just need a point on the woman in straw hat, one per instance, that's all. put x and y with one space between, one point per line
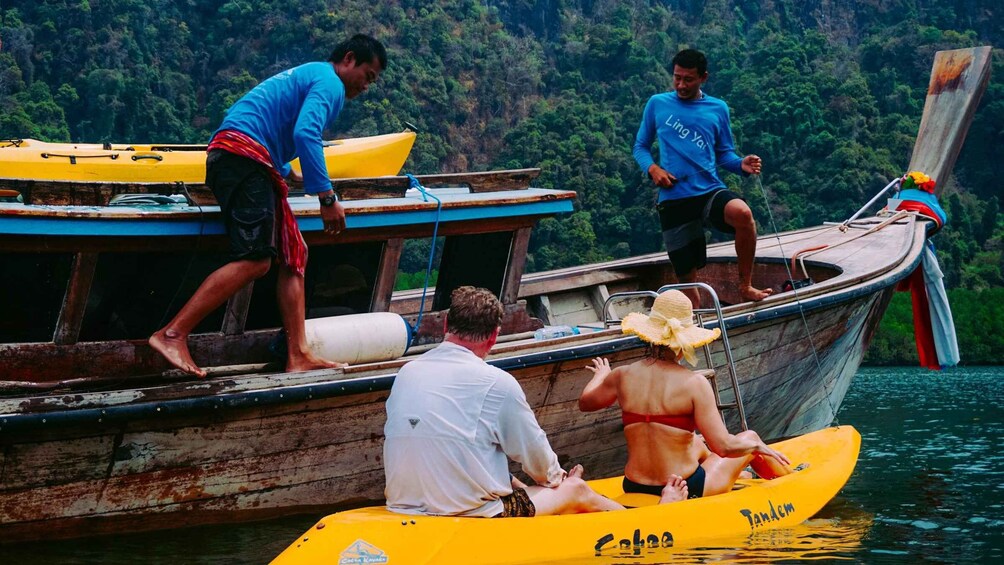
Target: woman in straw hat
664 404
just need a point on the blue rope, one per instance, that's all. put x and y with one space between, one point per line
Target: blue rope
414 183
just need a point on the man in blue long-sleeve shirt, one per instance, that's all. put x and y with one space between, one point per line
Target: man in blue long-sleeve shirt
695 138
277 121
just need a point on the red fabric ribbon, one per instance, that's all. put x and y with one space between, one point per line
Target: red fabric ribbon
923 331
292 248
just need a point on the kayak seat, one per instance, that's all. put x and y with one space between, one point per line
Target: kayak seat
637 499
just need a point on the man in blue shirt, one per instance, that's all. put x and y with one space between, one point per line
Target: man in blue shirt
277 121
695 138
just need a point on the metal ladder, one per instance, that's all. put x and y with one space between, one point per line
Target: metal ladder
699 314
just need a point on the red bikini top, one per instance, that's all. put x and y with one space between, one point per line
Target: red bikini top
685 423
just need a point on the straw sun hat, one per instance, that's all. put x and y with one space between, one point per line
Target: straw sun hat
670 323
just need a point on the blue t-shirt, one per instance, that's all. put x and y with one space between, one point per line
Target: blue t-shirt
695 138
287 114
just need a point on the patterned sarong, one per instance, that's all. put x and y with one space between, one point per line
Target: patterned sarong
292 248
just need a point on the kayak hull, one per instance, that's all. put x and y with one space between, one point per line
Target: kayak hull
374 156
376 535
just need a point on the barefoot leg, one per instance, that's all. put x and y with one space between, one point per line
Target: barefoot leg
768 467
740 217
572 496
289 291
171 341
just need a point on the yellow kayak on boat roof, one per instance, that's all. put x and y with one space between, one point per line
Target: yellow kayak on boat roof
374 156
649 531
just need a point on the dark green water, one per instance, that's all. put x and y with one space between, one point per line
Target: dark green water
928 488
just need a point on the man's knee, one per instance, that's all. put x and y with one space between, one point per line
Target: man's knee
257 268
738 214
578 490
688 277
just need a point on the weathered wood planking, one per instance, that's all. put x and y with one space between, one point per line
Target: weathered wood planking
958 80
192 469
96 193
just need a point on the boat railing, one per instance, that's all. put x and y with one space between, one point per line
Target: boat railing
894 184
699 313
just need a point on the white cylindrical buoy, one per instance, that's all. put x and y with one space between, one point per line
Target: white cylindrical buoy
359 338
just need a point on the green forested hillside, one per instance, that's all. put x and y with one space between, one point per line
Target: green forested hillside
830 94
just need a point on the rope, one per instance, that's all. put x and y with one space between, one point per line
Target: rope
808 252
195 250
414 183
798 301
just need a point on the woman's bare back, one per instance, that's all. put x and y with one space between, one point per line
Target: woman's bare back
655 450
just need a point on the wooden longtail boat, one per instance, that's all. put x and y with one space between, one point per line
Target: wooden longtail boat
30 159
96 436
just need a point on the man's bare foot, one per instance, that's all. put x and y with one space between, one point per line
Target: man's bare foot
752 294
174 348
309 362
674 491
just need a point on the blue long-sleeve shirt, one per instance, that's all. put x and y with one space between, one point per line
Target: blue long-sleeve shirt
287 114
694 137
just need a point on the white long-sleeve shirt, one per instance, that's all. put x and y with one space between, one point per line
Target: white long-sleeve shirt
451 421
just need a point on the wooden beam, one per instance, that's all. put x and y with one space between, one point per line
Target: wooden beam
958 80
71 315
383 286
237 310
517 263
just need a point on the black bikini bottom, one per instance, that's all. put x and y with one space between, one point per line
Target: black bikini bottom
695 485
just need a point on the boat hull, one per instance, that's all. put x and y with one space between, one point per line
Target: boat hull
646 532
162 464
175 454
349 158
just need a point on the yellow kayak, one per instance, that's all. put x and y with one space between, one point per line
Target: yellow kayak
649 531
375 156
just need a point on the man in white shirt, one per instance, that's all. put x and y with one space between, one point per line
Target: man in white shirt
451 421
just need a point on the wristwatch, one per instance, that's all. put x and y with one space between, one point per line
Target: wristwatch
329 200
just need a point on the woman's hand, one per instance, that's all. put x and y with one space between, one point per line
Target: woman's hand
601 390
766 451
600 367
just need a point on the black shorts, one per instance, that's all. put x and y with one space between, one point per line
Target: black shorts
683 224
244 191
517 505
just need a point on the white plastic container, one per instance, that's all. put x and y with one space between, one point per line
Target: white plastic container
359 338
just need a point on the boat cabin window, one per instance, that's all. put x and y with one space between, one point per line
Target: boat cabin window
339 280
478 259
34 286
415 261
135 294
